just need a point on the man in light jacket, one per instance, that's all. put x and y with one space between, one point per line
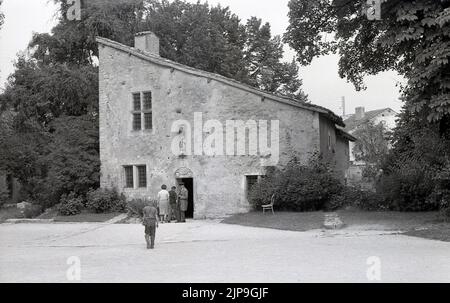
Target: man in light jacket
183 197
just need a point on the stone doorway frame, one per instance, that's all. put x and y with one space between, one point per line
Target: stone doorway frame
185 173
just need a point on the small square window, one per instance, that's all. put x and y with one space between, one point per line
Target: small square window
137 122
148 119
147 100
129 178
142 175
137 102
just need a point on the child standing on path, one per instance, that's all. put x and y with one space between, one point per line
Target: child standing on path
150 222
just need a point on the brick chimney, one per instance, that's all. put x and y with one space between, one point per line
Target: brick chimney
360 113
147 42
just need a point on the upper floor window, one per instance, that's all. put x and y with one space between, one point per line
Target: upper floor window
142 111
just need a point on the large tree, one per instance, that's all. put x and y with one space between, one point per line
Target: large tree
204 37
43 92
411 37
263 56
51 144
212 38
372 145
73 41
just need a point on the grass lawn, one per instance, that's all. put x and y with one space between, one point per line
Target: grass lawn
388 220
84 217
418 224
87 218
439 232
281 220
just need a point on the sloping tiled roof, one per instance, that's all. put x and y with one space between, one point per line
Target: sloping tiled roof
352 123
200 73
341 132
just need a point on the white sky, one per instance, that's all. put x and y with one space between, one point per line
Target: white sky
320 80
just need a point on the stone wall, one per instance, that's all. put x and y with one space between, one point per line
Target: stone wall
342 157
328 140
219 181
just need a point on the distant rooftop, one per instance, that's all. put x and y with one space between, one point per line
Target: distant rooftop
361 117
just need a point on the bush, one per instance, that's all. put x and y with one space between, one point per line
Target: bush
442 179
356 197
4 197
49 163
409 187
105 200
70 205
298 187
445 214
43 192
32 211
135 207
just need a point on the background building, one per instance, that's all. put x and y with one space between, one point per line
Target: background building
386 116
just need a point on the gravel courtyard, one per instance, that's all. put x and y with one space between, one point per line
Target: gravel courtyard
208 251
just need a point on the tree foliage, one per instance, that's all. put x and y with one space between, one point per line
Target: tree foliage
372 145
73 163
214 39
297 187
44 92
73 42
204 37
23 146
50 161
412 37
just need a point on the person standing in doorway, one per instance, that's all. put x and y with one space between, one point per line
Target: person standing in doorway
173 208
183 197
163 199
150 221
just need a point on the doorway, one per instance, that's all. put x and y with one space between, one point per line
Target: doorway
189 184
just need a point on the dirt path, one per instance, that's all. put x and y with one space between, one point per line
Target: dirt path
207 251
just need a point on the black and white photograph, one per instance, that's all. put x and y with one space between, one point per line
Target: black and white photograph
224 141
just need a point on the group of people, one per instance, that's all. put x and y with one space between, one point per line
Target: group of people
170 204
173 204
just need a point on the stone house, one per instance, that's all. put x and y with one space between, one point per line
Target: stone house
221 129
